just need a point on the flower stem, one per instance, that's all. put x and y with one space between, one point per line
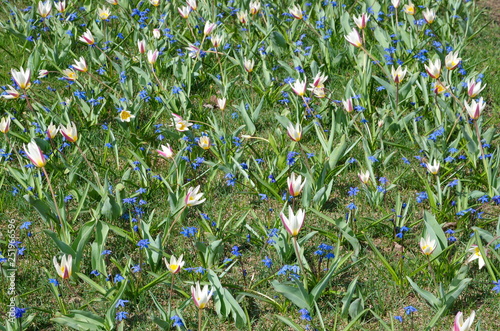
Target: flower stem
297 253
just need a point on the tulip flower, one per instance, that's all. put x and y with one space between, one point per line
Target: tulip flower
221 103
44 8
475 108
319 80
434 69
87 37
11 93
42 73
193 51
126 116
64 269
5 124
104 13
409 8
299 87
452 60
318 92
70 74
60 6
429 15
242 16
395 3
474 88
433 168
427 245
112 2
152 56
353 38
22 77
294 132
155 3
182 125
80 65
192 4
217 40
476 255
398 75
194 198
439 88
204 142
296 12
184 11
293 223
35 154
52 131
295 184
166 151
254 7
156 33
248 64
364 177
201 297
361 21
460 325
209 27
175 264
70 132
141 45
348 107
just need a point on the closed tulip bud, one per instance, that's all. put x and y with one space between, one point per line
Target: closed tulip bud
452 60
299 87
398 75
152 56
34 153
296 12
294 132
395 3
156 33
348 107
242 16
353 38
194 198
221 103
52 131
209 27
69 132
201 297
427 245
175 264
361 21
141 45
433 168
204 142
64 269
474 88
80 65
44 8
380 123
460 325
5 124
293 223
434 68
184 11
248 64
254 7
475 108
295 184
166 151
192 4
60 6
42 73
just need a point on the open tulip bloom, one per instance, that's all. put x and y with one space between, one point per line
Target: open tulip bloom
69 132
475 108
460 325
293 223
295 184
474 88
194 198
22 77
175 264
434 68
433 168
427 245
166 151
201 296
294 132
5 124
476 255
35 154
353 38
64 269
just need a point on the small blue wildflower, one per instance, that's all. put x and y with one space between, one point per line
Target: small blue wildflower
121 315
143 243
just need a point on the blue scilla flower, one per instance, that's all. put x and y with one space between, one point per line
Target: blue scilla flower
304 314
353 191
236 251
267 262
421 197
118 278
25 225
121 315
19 312
410 309
121 303
189 232
496 288
177 321
143 243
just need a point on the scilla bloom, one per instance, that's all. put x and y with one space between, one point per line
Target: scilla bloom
22 77
69 132
427 245
200 297
295 184
34 153
166 151
175 264
194 198
475 108
204 142
293 223
353 38
433 168
294 132
64 269
452 60
460 325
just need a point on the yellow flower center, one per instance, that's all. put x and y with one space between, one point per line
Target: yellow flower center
124 115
